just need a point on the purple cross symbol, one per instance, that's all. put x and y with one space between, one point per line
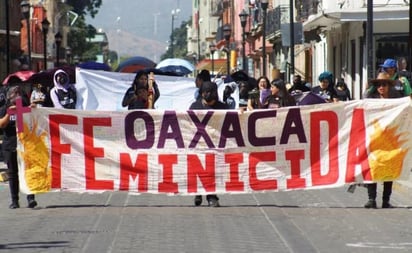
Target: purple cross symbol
19 110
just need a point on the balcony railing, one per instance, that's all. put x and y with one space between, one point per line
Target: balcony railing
216 8
219 34
306 8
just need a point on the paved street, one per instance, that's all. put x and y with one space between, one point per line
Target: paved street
330 220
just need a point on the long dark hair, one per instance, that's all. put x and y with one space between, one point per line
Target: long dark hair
283 94
267 81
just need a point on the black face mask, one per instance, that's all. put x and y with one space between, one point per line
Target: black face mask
209 96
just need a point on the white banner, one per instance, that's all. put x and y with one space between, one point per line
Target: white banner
197 152
104 91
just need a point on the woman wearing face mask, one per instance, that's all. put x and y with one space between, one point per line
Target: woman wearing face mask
209 101
63 94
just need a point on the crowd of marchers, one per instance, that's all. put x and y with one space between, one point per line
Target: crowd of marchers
392 81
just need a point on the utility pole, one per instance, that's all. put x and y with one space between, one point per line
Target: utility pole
292 39
369 38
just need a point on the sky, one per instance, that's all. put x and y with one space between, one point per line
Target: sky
150 19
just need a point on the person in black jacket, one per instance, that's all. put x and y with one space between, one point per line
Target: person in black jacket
9 145
209 100
382 88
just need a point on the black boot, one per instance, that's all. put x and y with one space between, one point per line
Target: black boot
31 202
370 204
14 189
14 204
386 195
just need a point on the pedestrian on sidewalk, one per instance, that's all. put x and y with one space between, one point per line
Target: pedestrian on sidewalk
209 100
381 87
8 124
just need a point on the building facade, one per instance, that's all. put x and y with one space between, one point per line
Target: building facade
341 47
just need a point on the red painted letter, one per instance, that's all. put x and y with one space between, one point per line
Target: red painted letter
295 182
57 148
234 184
91 152
127 170
331 119
357 153
255 183
168 185
206 175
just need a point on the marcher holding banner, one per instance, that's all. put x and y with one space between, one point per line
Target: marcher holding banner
279 96
325 89
258 95
382 87
143 93
63 94
209 101
401 84
203 76
9 145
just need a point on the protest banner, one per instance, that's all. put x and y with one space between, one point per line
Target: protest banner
195 152
104 91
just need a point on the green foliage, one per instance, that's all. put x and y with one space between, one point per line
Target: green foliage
81 33
78 40
85 7
180 42
112 57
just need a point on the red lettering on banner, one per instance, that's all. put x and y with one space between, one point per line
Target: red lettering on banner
255 183
332 175
296 181
127 170
357 153
91 152
234 184
58 148
206 174
167 185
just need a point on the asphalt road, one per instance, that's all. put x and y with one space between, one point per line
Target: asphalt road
329 220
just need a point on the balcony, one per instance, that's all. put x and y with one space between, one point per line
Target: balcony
217 8
219 34
306 8
273 21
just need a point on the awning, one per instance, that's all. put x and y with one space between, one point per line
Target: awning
220 66
328 19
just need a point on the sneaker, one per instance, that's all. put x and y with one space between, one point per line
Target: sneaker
387 205
32 203
198 200
213 201
14 205
370 204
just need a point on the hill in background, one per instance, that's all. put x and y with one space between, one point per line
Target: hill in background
140 28
128 45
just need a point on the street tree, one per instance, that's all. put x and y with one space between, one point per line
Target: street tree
179 36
